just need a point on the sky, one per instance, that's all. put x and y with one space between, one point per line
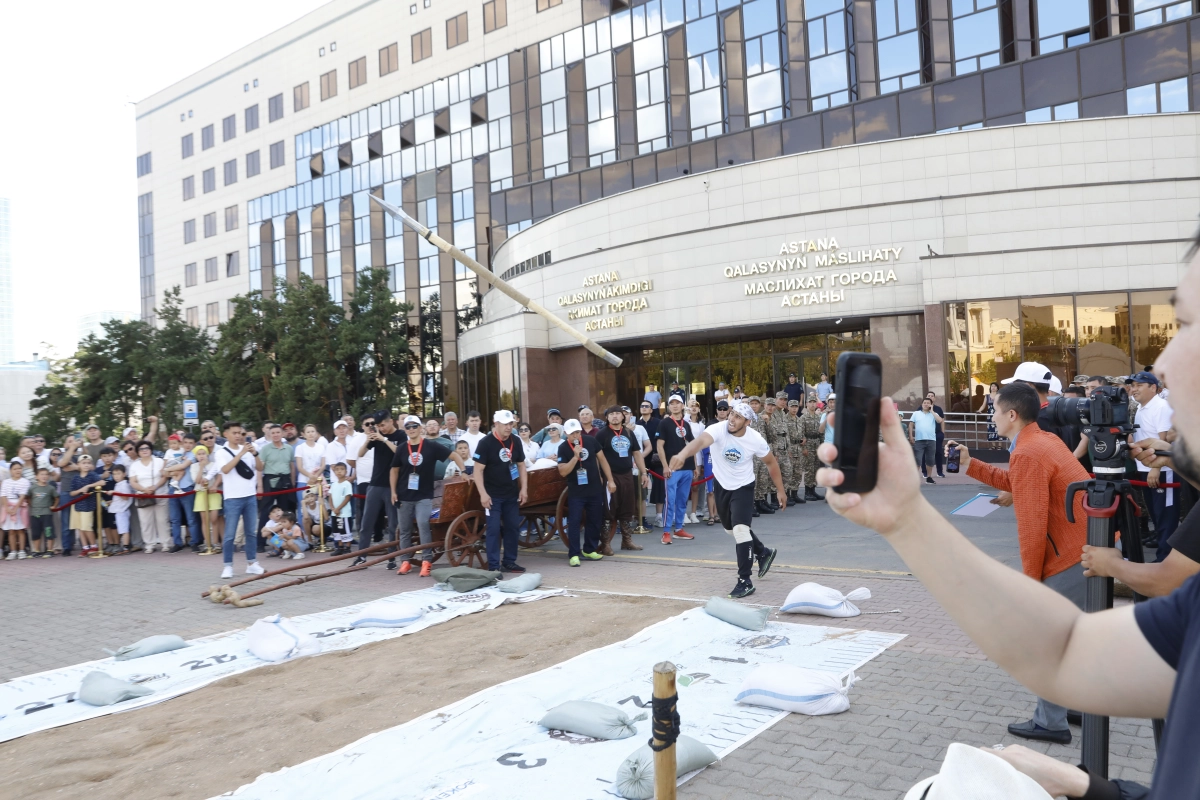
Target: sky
73 71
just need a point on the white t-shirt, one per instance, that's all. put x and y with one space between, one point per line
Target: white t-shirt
118 504
365 465
473 439
146 474
643 440
335 451
721 394
310 457
235 486
733 456
1152 418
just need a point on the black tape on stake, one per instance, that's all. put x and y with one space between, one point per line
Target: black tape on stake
664 722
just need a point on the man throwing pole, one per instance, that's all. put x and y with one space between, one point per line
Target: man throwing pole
734 446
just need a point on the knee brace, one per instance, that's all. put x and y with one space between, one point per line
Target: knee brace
741 533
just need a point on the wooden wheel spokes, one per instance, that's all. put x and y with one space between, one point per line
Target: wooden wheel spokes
538 529
465 541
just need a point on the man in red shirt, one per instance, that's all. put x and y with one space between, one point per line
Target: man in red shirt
1039 470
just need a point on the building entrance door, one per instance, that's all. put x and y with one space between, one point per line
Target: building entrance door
807 367
693 379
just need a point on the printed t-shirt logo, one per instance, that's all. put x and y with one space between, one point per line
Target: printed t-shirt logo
583 454
620 446
733 455
504 456
416 459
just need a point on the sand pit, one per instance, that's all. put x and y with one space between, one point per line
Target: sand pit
227 734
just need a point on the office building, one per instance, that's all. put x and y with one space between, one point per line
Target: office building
701 185
6 292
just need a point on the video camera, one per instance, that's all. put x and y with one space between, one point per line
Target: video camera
1104 419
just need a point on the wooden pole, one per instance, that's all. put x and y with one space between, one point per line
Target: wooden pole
664 760
98 524
322 547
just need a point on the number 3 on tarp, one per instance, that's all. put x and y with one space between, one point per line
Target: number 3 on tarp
507 760
221 659
42 705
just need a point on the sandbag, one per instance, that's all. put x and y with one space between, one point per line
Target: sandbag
387 614
813 598
805 691
752 619
522 583
591 719
465 579
149 646
969 773
275 638
102 689
635 776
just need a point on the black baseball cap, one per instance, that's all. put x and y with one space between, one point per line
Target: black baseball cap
722 405
552 412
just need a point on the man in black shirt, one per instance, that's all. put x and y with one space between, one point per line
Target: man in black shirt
794 389
382 438
674 434
501 481
649 420
413 472
580 461
621 452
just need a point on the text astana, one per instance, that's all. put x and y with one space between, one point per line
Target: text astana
606 292
840 258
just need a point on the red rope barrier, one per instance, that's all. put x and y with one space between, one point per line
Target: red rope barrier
78 499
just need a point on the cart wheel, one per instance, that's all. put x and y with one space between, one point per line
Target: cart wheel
561 519
537 530
465 541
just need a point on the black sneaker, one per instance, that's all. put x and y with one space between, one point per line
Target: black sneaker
744 588
391 564
177 548
359 560
765 561
930 480
196 548
513 567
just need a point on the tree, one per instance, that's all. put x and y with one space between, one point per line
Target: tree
54 404
310 382
177 365
110 385
374 344
243 361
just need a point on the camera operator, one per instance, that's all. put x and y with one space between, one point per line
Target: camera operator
1040 470
1079 660
1154 422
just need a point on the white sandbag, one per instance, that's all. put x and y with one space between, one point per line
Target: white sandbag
813 598
544 463
522 583
150 646
387 614
591 719
752 619
787 688
275 638
635 776
969 773
102 689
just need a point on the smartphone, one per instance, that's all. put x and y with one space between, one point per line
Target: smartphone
952 459
859 387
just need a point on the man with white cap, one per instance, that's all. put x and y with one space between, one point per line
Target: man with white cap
382 439
1154 418
413 472
501 480
1040 378
581 461
734 446
336 451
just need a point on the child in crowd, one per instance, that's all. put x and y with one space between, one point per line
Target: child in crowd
206 476
107 522
85 482
14 494
274 523
119 507
293 540
463 449
43 496
341 496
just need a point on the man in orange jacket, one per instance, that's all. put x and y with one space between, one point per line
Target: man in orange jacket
1039 470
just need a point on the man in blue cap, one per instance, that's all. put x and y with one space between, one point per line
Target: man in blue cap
1153 422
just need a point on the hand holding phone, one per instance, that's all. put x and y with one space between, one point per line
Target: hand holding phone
856 426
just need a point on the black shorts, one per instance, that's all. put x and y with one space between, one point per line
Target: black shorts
108 520
735 506
41 527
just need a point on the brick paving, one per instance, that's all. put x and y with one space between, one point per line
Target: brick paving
931 689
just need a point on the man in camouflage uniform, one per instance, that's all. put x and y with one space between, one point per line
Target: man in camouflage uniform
762 478
810 430
795 452
779 443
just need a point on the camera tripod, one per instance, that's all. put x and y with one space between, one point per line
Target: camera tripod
1109 505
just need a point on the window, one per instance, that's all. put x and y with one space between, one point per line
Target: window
189 274
193 314
251 118
456 30
1153 12
189 231
495 15
231 218
232 265
422 45
186 145
329 84
275 107
229 127
189 187
764 87
277 155
209 178
210 270
1065 111
828 65
206 137
231 172
704 81
358 72
212 313
210 224
300 97
1061 24
976 30
899 47
143 164
389 59
542 5
1158 98
252 165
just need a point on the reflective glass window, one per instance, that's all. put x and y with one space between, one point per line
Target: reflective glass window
1154 326
1048 331
899 46
976 30
1061 24
1155 12
829 67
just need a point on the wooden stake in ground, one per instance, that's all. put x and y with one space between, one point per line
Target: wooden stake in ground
665 729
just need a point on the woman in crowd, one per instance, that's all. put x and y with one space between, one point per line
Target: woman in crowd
207 478
528 445
146 477
988 406
554 438
310 457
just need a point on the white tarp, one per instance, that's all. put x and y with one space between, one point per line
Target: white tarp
47 699
490 745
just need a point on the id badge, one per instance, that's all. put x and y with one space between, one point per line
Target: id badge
512 471
414 481
581 476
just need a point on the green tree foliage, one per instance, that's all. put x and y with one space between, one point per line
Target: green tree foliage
54 403
244 360
310 383
374 347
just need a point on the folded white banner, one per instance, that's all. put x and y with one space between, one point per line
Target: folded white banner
47 699
490 745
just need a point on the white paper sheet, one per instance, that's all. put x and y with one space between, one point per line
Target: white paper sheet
978 506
